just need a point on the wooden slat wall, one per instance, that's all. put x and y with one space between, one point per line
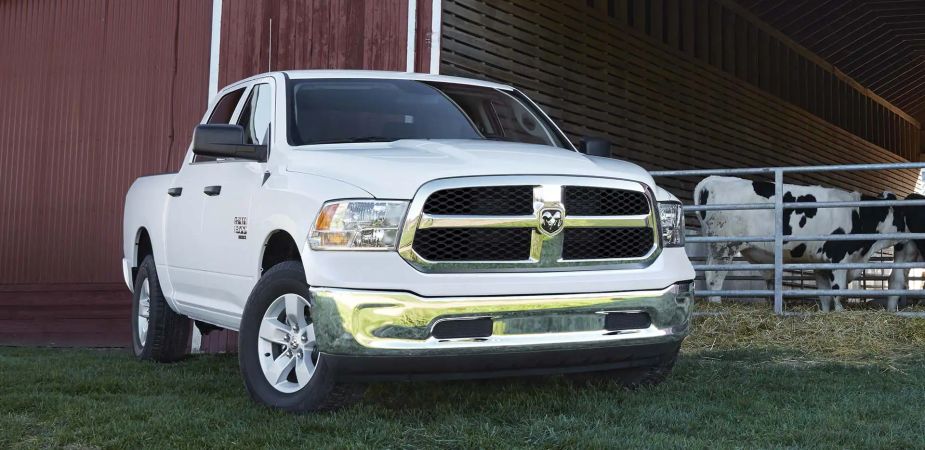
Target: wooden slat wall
599 71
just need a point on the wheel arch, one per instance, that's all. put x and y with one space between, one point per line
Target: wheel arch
143 247
278 246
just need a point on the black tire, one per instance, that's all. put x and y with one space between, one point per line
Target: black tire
635 377
323 392
168 333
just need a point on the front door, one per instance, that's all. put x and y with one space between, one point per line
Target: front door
183 236
227 259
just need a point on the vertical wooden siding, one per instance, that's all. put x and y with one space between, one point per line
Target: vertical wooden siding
95 93
610 72
311 34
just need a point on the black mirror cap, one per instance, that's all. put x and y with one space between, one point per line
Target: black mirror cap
225 141
593 146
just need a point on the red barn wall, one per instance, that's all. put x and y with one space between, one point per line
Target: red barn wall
95 93
260 36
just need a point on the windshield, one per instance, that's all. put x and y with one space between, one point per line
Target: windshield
328 111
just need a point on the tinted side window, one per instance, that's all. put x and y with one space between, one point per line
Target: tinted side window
255 116
225 107
222 113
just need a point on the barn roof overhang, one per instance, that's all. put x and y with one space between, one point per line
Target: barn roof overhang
878 43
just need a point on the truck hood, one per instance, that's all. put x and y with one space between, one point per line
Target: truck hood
397 169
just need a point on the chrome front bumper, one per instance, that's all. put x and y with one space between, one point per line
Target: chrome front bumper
376 323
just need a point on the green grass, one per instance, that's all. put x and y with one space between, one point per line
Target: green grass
771 397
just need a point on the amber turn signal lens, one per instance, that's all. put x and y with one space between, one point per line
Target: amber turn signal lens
323 222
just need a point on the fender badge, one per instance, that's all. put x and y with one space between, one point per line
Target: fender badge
240 227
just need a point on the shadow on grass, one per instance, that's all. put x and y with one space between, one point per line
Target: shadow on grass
757 398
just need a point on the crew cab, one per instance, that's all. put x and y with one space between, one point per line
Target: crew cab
359 225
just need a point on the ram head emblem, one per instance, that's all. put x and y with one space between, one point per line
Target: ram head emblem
551 221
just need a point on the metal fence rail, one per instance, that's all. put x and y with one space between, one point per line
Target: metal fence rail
778 238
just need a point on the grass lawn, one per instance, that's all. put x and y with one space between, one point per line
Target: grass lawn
747 380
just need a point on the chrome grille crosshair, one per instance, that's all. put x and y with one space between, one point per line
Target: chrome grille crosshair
624 205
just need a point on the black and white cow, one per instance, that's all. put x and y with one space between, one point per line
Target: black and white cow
907 251
801 221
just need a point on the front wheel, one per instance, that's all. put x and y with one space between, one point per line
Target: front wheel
280 362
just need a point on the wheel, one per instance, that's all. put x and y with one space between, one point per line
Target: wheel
634 377
158 333
279 360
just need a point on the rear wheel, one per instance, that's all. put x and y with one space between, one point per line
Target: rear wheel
158 333
280 362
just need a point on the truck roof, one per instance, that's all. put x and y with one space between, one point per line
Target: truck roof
378 74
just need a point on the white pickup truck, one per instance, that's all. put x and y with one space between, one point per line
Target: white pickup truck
356 225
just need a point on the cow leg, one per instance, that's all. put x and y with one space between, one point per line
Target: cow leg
902 252
768 276
824 282
897 281
717 254
841 282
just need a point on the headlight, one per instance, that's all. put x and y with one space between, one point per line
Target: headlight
357 225
671 219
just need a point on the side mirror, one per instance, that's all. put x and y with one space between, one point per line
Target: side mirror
593 146
225 141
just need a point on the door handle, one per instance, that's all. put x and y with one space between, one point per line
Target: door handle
212 190
175 191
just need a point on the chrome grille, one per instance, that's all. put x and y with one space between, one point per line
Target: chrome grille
473 244
595 201
606 243
523 223
489 200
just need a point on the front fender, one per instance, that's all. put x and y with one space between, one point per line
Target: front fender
290 202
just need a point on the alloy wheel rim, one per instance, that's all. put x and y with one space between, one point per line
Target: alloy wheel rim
286 343
144 312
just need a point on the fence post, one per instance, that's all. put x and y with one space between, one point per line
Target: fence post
778 240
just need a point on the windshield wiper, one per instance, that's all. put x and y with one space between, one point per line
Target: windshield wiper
495 137
353 140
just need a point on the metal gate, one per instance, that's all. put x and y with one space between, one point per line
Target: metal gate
778 238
